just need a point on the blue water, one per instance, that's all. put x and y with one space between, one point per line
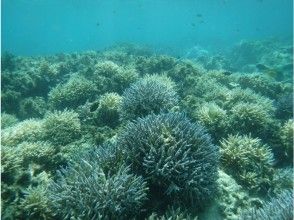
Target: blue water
40 27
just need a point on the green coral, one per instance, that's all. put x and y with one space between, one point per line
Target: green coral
18 173
110 77
36 204
108 110
27 130
250 118
249 161
232 198
238 95
43 155
214 118
286 137
7 120
261 84
72 94
155 64
32 107
61 127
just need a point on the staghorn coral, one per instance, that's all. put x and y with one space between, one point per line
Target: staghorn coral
277 208
148 95
87 191
282 180
72 94
175 156
61 127
248 161
173 213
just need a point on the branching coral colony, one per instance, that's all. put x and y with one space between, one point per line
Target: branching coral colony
127 134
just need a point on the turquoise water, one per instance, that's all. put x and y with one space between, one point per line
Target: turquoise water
147 110
44 27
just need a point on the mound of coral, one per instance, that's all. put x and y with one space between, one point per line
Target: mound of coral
130 134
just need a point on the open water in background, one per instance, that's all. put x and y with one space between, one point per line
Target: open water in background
41 27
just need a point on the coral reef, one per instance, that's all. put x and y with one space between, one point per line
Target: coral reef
95 135
151 94
175 156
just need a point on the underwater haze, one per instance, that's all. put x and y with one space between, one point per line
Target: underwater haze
38 27
147 110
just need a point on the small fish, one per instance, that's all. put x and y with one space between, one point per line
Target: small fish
227 73
199 15
97 24
193 24
261 67
234 85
